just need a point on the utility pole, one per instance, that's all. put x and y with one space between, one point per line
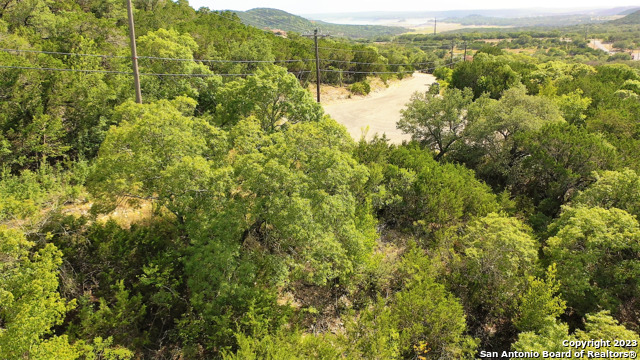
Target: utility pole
452 44
315 40
134 53
465 51
435 22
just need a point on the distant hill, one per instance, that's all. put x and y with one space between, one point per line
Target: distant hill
629 11
631 19
388 17
265 18
556 20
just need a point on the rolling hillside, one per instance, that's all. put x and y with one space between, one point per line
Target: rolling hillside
556 20
265 18
631 19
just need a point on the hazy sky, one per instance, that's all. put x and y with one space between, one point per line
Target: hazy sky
335 6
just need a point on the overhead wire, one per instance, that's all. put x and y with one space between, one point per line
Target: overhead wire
369 63
354 51
224 61
153 57
386 72
128 73
204 61
211 60
62 53
65 69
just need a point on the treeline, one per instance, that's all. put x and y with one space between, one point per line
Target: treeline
72 67
231 218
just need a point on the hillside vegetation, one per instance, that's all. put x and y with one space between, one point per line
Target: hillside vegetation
265 18
630 19
228 217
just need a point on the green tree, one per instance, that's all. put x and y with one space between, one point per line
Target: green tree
556 162
493 258
437 122
171 44
485 74
540 306
158 152
415 192
491 146
423 319
597 252
613 189
272 96
597 326
29 301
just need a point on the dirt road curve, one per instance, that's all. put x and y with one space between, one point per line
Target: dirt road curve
380 111
598 45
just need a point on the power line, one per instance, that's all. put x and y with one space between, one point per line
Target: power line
368 63
206 75
63 69
354 51
385 72
62 53
127 73
155 57
225 61
211 60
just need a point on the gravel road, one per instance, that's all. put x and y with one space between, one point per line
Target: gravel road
380 111
600 46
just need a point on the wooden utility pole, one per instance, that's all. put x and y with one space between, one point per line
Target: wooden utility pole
452 44
315 40
465 51
134 54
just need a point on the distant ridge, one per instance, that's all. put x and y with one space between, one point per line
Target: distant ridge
629 11
266 18
631 19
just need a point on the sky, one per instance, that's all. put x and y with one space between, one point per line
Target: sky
341 6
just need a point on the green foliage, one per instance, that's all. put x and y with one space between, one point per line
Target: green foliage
274 97
29 302
138 297
171 44
491 137
422 312
573 106
24 196
493 258
416 192
437 122
539 306
443 73
622 56
556 162
515 112
360 88
274 18
232 219
549 338
597 255
632 85
597 326
158 152
485 74
286 344
426 312
613 189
